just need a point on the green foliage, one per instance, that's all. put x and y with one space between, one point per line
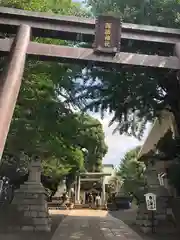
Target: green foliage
135 95
131 172
152 12
92 138
63 7
168 146
44 124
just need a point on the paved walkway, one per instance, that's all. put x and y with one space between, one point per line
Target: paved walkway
93 225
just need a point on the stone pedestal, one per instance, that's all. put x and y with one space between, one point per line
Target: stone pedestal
30 199
144 217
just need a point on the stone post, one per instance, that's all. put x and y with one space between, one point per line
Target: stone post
75 191
31 200
103 198
78 189
35 172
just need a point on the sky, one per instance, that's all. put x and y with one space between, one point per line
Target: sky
118 144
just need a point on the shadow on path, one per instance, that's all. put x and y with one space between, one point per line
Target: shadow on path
56 215
129 217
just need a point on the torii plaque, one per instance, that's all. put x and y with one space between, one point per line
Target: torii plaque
107 34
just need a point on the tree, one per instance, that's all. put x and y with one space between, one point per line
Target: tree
63 7
92 138
136 95
89 135
132 172
150 12
44 124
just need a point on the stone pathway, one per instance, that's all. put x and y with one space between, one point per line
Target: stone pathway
93 225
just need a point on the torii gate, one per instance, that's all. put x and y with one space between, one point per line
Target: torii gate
26 24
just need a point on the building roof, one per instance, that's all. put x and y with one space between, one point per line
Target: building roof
159 128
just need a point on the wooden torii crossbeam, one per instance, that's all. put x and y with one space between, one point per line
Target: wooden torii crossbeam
85 55
69 27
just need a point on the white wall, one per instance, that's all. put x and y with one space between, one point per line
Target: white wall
109 169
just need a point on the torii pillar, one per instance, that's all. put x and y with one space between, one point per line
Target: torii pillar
77 190
103 197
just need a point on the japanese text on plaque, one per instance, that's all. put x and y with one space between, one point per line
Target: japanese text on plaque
107 35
